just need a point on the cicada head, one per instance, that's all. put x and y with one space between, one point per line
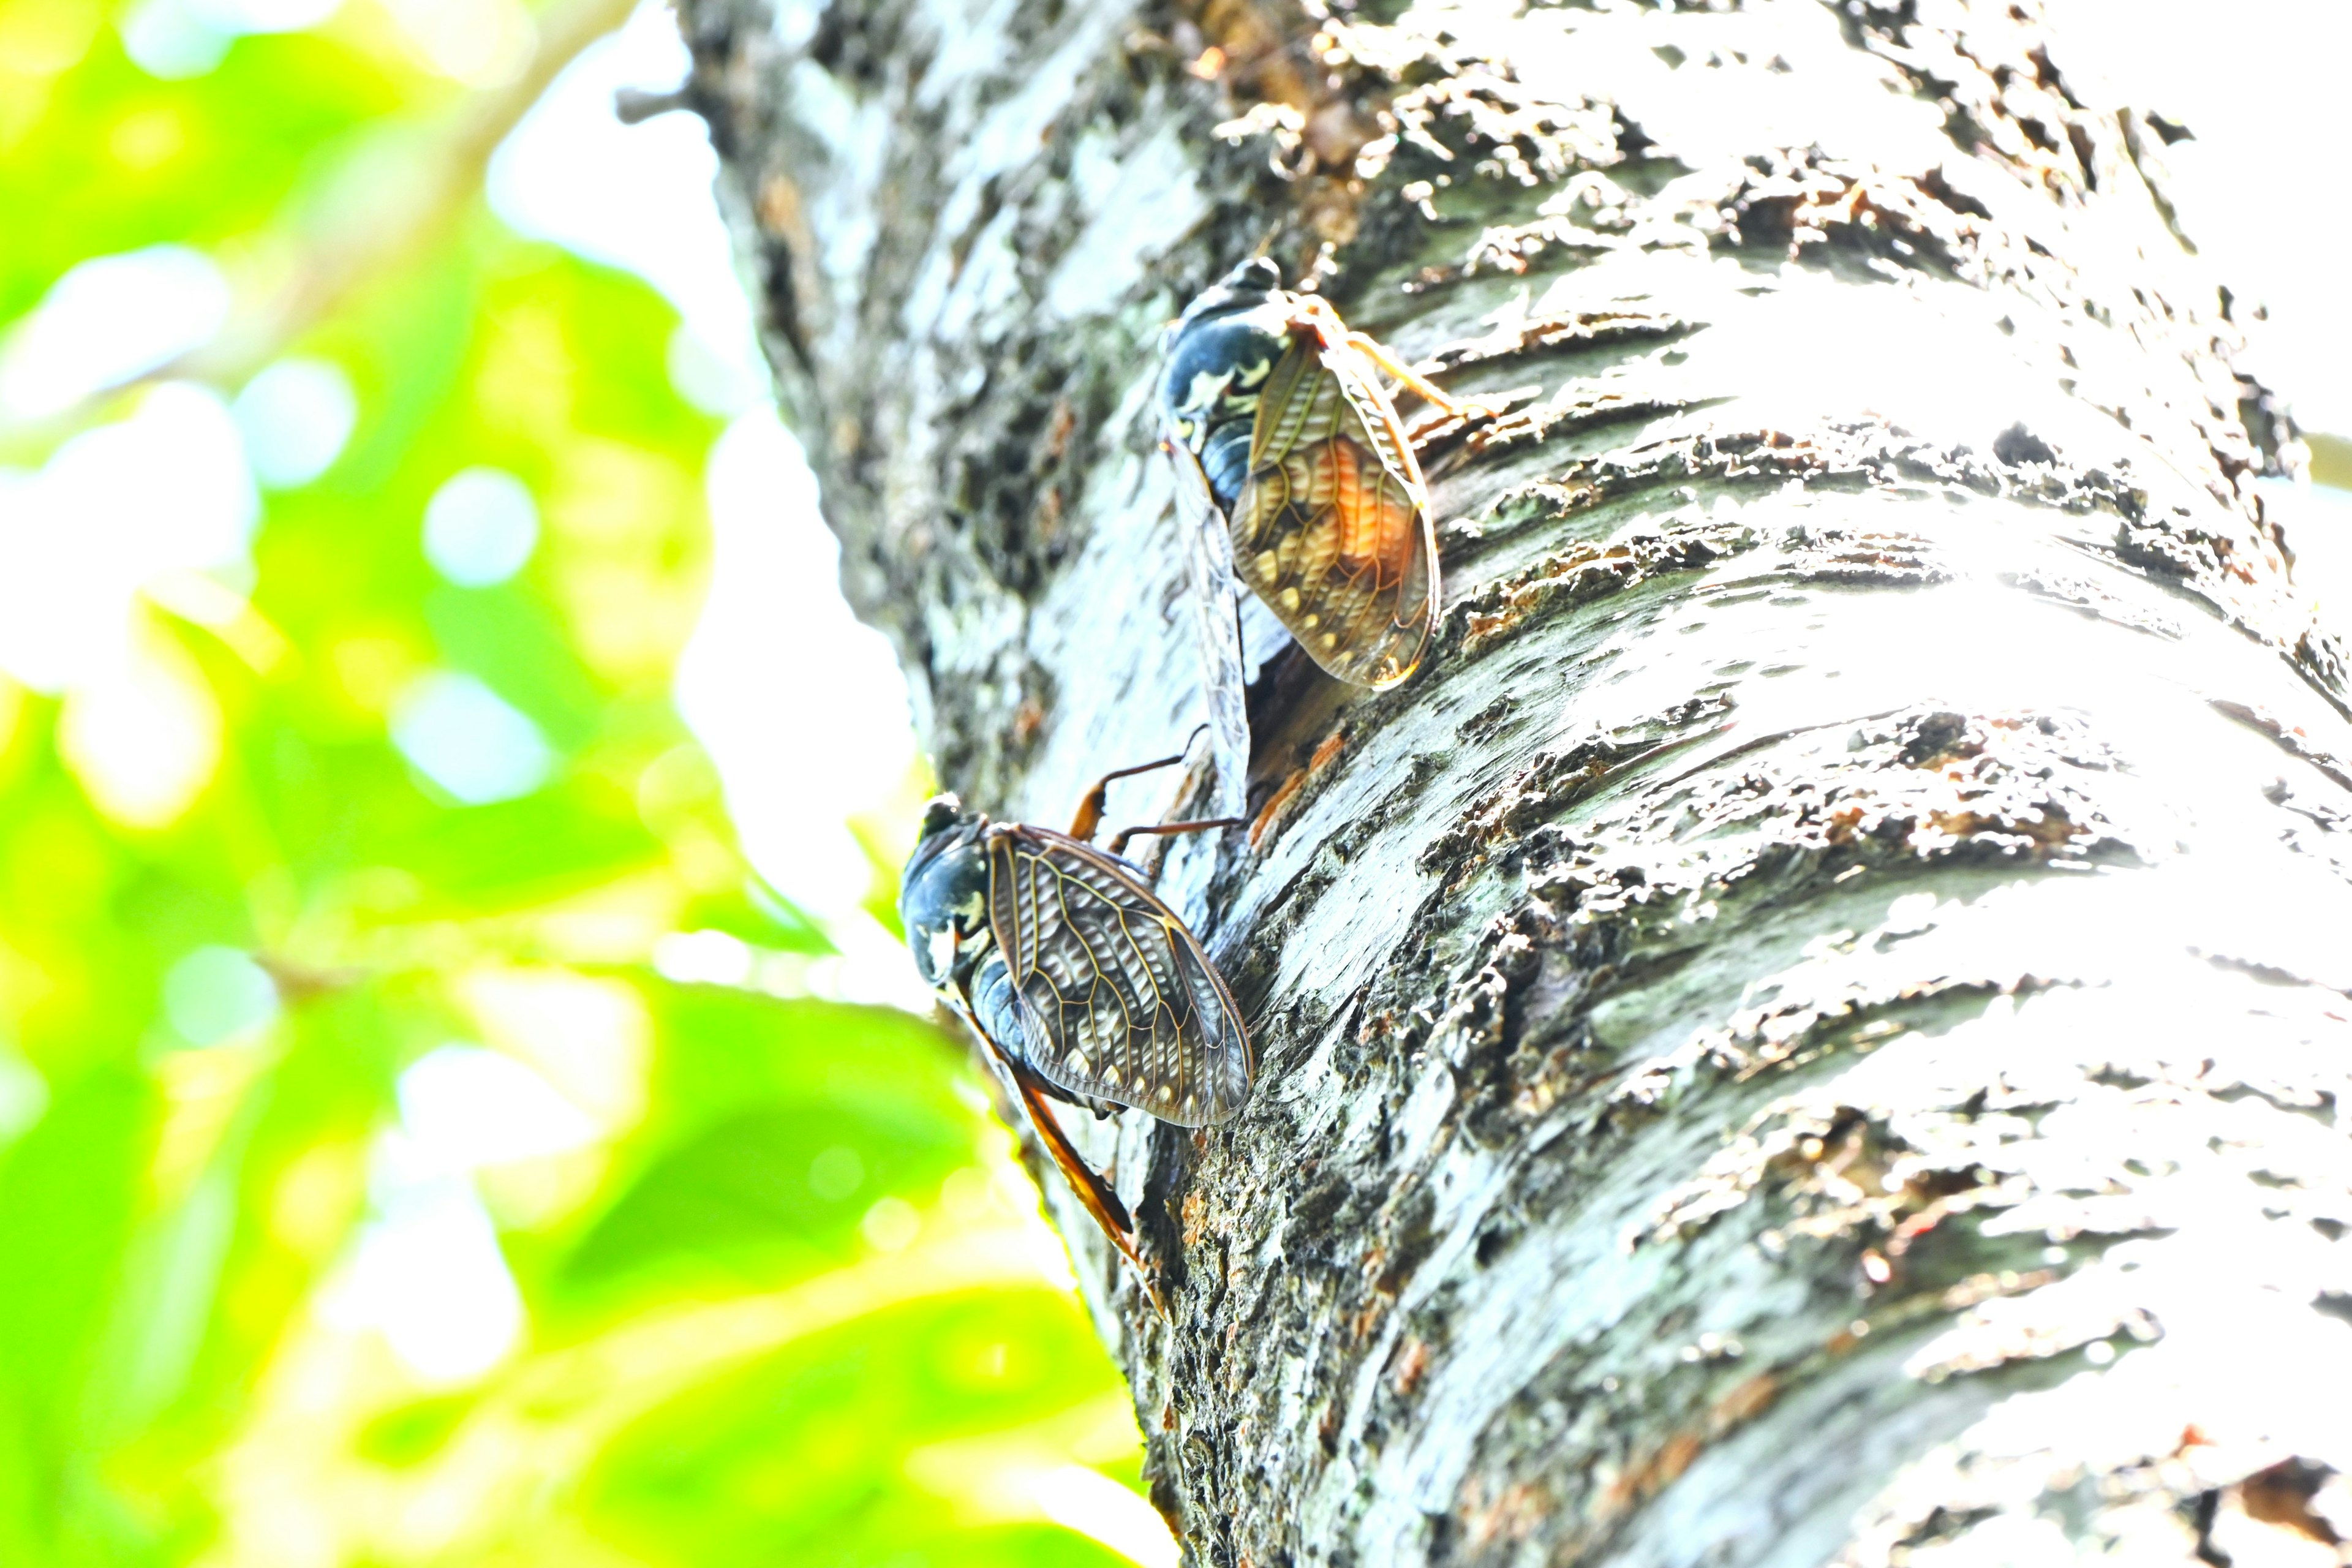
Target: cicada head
1219 352
943 894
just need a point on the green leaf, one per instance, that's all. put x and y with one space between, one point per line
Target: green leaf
174 1215
816 1456
776 1127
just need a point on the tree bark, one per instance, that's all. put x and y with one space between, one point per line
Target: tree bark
1815 1028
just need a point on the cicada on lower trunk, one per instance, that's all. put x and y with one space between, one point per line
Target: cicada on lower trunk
1083 985
1295 477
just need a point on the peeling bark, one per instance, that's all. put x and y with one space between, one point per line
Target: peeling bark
1815 1029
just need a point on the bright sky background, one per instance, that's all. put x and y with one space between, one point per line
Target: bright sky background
801 705
2259 84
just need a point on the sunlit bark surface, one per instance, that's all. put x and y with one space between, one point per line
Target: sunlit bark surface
1815 1028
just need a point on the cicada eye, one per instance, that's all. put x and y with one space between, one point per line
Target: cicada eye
940 813
943 904
1258 275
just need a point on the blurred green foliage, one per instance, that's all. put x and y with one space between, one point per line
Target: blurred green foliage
787 1297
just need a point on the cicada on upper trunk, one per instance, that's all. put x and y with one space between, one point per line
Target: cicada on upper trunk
1296 477
1083 985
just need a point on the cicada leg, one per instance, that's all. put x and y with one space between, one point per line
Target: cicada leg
1333 334
1088 821
1202 824
1382 356
1092 1192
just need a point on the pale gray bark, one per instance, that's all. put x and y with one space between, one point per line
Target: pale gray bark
1816 1028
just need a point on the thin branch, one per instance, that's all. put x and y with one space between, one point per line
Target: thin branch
380 228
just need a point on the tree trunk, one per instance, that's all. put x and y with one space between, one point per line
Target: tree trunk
1815 1028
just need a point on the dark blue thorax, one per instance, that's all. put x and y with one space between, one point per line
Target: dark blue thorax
1217 365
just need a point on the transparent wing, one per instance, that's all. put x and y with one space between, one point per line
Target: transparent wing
1332 529
1216 616
1117 1000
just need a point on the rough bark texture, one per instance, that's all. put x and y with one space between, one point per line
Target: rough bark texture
1815 1029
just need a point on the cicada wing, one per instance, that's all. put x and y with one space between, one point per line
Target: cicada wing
1331 528
1117 1000
1216 618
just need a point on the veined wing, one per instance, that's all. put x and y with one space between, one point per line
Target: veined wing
1331 528
1216 614
1117 1000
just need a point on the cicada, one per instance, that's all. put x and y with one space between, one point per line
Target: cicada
1082 983
1297 478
